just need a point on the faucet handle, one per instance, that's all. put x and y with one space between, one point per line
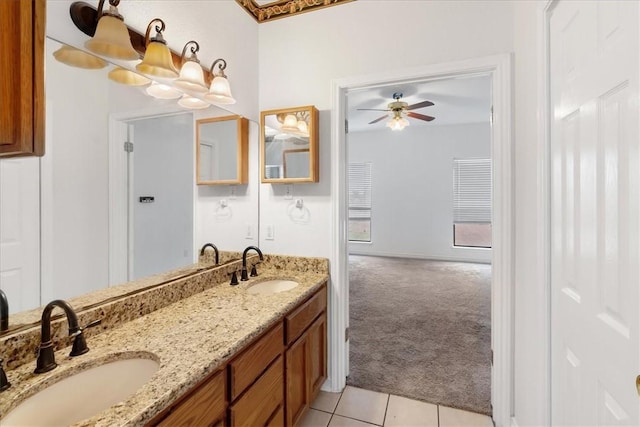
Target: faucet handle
254 272
234 279
4 382
79 343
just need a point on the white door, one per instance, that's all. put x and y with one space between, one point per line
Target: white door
20 232
595 189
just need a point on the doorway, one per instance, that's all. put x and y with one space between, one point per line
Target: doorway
499 70
151 194
419 224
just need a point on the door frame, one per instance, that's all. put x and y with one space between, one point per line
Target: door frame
120 188
499 67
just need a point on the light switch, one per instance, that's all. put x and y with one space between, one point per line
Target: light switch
269 232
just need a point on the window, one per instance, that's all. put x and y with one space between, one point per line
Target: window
359 202
472 203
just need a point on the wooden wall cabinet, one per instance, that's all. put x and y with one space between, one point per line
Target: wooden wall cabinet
22 105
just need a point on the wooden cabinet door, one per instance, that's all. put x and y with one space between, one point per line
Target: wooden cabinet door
317 364
203 407
296 376
22 82
257 406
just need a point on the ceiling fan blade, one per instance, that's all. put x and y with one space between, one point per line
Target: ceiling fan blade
420 105
420 116
371 109
378 119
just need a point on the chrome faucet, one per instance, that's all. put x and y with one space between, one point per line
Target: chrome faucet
215 249
4 311
46 359
243 275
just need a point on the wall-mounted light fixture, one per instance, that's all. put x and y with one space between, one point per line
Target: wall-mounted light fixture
77 58
110 34
191 74
157 61
111 38
191 102
127 77
220 91
162 91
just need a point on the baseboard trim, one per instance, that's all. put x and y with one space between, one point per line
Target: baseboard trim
420 256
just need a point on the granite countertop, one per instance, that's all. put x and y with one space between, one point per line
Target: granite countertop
190 338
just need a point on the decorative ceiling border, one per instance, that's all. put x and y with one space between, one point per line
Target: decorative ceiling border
284 8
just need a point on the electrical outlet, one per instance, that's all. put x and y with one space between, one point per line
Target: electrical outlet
249 234
269 232
288 192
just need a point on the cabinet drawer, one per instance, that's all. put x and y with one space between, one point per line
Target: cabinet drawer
244 369
203 407
301 318
264 398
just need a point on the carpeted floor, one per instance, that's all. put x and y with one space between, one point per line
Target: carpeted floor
421 329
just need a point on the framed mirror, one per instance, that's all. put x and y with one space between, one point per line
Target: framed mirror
222 152
289 145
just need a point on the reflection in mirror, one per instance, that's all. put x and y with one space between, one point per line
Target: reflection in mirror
289 145
222 150
82 217
295 163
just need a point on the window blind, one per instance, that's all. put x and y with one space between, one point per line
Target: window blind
359 190
472 190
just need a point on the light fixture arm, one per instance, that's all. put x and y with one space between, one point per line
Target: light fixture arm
222 64
113 3
159 29
195 47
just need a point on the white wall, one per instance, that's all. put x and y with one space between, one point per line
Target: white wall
74 181
235 226
531 388
412 188
351 40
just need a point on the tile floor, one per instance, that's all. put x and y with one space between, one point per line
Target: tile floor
356 407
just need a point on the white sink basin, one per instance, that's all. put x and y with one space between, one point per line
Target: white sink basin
272 287
82 395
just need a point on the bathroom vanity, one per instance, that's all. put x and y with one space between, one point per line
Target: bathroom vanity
226 356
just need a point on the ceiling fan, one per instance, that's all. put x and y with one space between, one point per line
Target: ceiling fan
400 108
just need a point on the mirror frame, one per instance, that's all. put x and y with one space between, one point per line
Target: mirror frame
242 150
314 157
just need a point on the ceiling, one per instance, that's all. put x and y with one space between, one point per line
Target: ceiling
457 100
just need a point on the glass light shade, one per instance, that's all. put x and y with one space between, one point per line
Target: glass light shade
127 77
162 91
111 39
191 78
191 102
398 123
157 61
220 91
290 123
303 127
77 58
